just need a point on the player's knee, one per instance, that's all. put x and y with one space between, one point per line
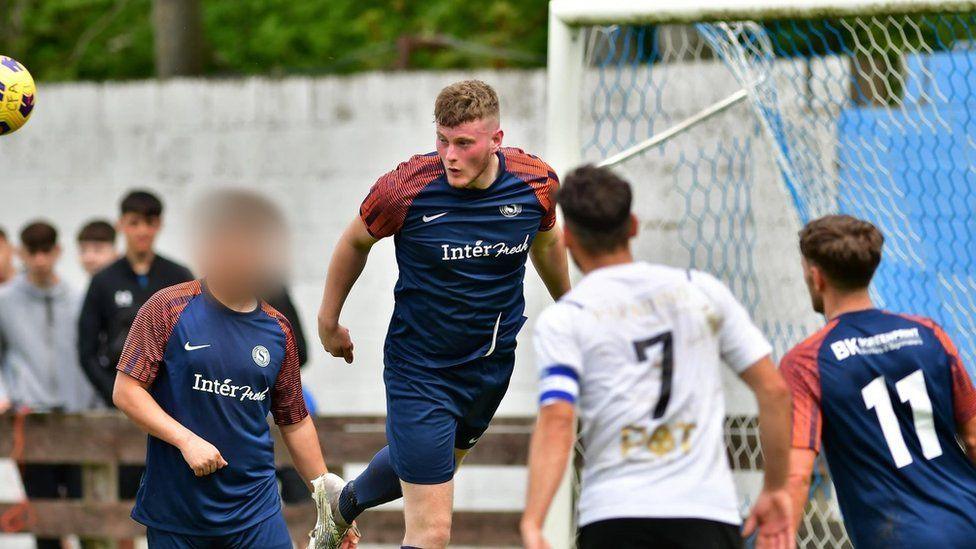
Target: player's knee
436 531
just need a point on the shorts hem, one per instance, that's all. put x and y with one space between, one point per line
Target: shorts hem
427 481
207 532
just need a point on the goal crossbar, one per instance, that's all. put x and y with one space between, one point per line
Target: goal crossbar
623 12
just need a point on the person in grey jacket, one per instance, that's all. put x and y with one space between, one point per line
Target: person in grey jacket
39 365
39 331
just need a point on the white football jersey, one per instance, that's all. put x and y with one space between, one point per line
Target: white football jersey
638 348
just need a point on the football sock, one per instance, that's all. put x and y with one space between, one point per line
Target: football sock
377 485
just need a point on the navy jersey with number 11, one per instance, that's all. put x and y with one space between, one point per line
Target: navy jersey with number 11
885 393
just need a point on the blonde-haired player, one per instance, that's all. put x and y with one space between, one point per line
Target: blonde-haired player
464 220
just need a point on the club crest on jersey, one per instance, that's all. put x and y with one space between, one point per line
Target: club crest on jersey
511 210
261 355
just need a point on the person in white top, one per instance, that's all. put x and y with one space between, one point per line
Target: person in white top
636 350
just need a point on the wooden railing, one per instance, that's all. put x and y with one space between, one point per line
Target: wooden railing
101 442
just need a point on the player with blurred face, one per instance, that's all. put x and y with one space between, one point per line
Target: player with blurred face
204 364
887 398
465 219
96 246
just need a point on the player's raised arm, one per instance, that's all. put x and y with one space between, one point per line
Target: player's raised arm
548 253
348 260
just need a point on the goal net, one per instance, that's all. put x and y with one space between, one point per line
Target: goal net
737 125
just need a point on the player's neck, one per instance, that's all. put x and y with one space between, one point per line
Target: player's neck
231 296
140 262
836 303
488 176
592 263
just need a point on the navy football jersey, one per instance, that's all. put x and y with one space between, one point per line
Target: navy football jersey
885 394
219 373
461 255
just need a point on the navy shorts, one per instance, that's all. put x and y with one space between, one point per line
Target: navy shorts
432 411
270 533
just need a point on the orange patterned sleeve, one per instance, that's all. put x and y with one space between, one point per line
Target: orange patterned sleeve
802 373
963 391
540 176
287 400
385 207
145 345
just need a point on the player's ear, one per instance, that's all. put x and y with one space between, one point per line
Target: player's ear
496 140
568 238
818 278
634 226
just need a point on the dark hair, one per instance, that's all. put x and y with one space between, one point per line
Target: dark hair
3 234
97 230
596 205
38 236
143 203
846 248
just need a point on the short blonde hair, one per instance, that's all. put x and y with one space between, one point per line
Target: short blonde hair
465 101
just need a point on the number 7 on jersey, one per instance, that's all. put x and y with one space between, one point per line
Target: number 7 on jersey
667 368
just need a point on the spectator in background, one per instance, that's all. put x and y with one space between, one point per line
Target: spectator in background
7 270
96 246
38 358
117 291
115 295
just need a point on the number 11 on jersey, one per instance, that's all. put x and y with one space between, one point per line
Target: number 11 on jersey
911 389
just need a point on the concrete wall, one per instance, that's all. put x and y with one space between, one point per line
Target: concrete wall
315 145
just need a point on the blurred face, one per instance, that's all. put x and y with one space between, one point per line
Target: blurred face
815 284
139 231
466 150
40 264
243 261
96 255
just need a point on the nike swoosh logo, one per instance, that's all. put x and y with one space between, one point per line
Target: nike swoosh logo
429 218
189 347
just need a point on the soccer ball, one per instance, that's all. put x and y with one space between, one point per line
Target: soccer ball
16 95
